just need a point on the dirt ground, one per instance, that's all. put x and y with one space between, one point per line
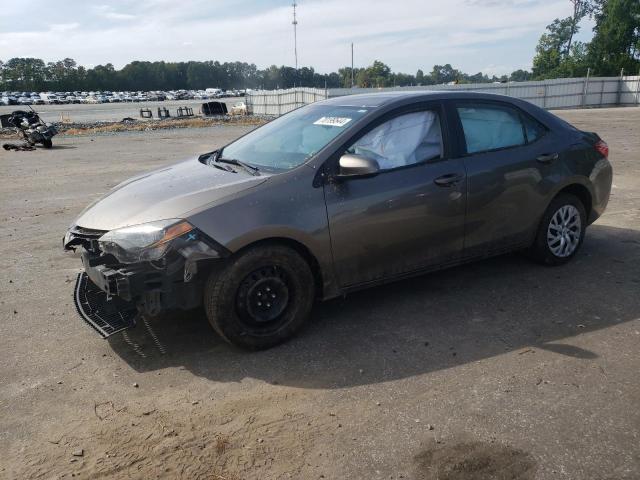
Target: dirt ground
498 370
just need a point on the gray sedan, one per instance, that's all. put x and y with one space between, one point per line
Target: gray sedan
333 197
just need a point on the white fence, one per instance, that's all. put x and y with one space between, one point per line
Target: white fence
550 94
278 102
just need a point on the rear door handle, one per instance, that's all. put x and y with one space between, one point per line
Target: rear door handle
547 157
448 180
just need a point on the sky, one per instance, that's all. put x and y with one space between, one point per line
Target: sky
489 36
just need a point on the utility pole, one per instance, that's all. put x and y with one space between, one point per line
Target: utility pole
352 65
295 35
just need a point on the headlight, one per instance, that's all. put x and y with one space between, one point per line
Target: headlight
144 242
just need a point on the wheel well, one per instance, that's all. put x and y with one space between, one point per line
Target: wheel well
302 250
582 193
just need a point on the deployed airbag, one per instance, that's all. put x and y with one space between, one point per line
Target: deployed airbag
403 140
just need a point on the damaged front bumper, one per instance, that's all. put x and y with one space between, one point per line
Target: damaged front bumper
105 314
109 295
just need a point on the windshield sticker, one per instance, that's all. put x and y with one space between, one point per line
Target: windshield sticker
332 121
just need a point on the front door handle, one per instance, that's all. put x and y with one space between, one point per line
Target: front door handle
448 180
547 157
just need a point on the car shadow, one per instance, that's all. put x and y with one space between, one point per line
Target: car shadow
419 325
62 147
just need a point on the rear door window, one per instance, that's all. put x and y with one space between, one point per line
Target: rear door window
533 129
490 127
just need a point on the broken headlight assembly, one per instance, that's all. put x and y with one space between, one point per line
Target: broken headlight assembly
145 242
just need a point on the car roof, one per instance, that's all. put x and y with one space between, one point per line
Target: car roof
387 98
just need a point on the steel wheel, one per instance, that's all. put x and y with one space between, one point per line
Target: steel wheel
262 299
564 231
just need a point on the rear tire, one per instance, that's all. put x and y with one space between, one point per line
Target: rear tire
261 298
561 231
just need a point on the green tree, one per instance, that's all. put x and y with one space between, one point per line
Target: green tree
476 78
25 73
444 74
580 9
616 42
520 76
552 47
378 74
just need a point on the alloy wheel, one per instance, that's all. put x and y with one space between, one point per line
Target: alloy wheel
563 233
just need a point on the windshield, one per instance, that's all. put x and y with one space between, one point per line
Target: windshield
290 140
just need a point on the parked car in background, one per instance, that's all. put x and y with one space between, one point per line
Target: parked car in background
238 108
8 100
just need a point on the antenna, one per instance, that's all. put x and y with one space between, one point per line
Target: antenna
295 34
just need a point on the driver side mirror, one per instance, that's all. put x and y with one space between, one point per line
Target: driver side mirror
351 165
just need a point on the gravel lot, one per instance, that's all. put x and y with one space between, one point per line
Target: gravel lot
111 112
500 369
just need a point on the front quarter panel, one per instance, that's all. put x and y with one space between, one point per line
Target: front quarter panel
287 206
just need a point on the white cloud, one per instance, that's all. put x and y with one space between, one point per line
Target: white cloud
62 27
119 16
472 35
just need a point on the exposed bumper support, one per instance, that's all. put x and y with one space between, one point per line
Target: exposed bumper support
105 314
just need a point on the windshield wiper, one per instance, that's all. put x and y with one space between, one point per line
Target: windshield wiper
252 170
210 158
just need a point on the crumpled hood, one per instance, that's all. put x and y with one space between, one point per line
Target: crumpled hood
166 193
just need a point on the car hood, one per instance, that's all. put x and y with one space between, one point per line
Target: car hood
166 193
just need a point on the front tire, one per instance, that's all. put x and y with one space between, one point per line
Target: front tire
561 231
47 143
261 298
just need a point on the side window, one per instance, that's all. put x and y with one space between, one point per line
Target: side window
533 129
403 140
488 127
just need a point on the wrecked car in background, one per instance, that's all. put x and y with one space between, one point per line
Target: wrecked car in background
333 197
30 126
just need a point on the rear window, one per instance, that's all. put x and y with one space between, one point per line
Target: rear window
489 127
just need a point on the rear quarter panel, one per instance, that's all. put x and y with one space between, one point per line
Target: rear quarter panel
585 166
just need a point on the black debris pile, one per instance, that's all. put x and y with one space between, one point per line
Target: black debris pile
18 147
214 108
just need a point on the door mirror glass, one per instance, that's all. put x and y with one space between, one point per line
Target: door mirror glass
352 165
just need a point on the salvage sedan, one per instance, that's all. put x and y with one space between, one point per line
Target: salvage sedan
333 197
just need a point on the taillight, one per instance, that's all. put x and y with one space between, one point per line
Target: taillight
602 148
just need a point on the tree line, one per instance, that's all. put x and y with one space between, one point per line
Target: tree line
615 45
33 74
